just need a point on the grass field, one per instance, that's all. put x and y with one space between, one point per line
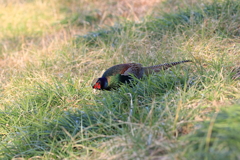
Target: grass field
50 51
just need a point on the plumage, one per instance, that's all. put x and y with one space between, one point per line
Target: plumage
236 73
122 73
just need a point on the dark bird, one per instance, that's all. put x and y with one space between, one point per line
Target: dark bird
122 73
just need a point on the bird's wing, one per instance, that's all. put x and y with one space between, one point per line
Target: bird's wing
135 69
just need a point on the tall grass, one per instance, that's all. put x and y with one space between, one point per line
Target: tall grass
49 110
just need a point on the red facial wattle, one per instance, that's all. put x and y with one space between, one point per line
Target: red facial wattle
97 86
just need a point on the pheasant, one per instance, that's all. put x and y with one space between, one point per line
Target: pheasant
122 73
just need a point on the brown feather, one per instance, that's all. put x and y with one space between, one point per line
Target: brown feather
157 68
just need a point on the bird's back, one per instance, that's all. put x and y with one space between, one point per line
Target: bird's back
122 69
137 70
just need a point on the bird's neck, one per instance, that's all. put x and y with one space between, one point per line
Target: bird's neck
104 82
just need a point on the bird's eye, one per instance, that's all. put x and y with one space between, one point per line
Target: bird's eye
97 86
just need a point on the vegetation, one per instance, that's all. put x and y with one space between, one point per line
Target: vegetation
50 51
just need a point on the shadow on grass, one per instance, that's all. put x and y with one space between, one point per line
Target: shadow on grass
39 124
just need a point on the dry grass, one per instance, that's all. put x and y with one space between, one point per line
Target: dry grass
33 34
109 12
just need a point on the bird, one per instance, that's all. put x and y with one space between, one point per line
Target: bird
123 73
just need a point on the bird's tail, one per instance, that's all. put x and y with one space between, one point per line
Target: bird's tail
157 68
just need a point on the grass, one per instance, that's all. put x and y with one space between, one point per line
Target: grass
51 51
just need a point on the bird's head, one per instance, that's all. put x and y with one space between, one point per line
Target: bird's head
100 83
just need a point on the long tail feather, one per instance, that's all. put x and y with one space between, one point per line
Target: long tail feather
157 68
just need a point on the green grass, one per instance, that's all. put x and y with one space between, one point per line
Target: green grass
48 109
216 139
